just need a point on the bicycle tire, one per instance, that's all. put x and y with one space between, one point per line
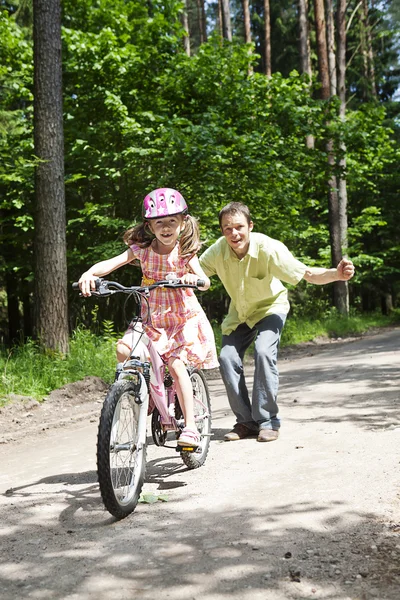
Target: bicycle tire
202 412
121 447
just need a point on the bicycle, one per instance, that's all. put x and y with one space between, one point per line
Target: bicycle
142 387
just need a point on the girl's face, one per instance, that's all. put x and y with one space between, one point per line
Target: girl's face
167 230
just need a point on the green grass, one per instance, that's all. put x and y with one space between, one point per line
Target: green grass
334 325
27 371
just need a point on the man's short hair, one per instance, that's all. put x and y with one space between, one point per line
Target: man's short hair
234 208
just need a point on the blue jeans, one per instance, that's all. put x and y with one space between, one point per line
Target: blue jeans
263 410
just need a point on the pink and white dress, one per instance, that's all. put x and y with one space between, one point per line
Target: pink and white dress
177 324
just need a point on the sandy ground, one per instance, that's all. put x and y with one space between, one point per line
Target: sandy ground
315 514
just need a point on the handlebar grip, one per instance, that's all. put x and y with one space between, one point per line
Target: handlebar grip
98 282
200 283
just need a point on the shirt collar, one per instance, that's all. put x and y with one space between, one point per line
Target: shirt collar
252 251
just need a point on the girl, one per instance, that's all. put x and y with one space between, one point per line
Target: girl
167 242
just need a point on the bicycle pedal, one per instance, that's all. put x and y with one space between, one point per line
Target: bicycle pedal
186 449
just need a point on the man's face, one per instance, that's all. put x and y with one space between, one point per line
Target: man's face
236 230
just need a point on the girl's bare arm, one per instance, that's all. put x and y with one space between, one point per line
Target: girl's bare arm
87 280
197 273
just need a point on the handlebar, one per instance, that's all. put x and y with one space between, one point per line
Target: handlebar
108 288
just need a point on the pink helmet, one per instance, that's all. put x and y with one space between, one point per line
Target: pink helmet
163 202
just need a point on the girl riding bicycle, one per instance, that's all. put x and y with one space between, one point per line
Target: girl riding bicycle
167 242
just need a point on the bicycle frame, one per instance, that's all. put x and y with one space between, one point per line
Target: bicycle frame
160 397
142 387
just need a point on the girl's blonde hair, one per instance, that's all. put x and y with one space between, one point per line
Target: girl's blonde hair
189 240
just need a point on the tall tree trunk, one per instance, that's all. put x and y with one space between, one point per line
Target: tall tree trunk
220 19
267 38
246 16
247 30
330 33
14 317
185 23
322 48
200 10
369 50
27 314
364 56
203 24
51 301
333 199
226 20
341 290
305 54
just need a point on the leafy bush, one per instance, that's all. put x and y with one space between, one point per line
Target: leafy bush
28 371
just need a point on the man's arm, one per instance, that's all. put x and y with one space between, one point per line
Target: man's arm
319 276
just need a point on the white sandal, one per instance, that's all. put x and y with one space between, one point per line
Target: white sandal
189 437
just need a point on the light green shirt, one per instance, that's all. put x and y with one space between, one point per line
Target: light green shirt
253 282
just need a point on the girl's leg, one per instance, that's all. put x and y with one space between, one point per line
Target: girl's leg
123 351
132 339
184 390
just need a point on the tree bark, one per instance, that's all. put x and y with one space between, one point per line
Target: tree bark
341 291
27 314
322 48
220 19
364 56
246 17
330 32
333 197
226 20
51 301
203 23
267 38
369 51
305 54
14 317
185 23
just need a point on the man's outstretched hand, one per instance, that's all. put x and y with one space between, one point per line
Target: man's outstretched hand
345 270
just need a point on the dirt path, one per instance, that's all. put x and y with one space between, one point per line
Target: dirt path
314 515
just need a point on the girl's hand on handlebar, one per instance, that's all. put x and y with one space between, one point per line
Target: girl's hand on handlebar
87 283
193 279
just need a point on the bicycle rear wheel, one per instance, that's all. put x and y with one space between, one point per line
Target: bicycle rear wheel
121 447
157 432
202 413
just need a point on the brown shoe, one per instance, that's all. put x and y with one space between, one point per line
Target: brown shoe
239 432
267 435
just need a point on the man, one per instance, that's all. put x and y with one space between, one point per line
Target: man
251 267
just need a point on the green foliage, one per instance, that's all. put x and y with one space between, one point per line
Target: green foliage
385 50
139 113
28 371
16 147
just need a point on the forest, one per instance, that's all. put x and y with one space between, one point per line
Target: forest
289 106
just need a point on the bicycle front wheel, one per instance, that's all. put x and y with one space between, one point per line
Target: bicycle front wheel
121 447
